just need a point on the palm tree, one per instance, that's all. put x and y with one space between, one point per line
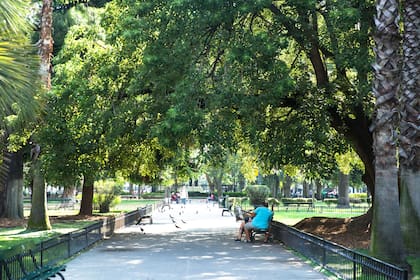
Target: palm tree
18 83
17 61
387 242
409 127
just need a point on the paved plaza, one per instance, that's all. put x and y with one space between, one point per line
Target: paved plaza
191 242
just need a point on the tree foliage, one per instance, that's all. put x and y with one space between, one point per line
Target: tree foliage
18 66
215 68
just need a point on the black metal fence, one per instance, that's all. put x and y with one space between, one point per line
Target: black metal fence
343 262
58 249
52 251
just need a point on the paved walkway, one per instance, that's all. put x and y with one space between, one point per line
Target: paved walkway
199 245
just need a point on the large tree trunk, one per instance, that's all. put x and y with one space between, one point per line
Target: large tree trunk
305 189
410 128
286 186
210 182
218 183
273 183
86 206
386 238
319 186
355 128
46 43
14 188
4 174
343 191
38 219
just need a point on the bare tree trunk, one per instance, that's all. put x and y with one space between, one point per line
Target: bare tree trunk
68 191
273 183
131 189
218 183
4 174
14 187
318 190
46 43
286 186
305 189
410 128
211 183
86 205
386 241
38 219
343 191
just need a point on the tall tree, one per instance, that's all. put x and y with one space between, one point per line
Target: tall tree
346 163
39 219
387 242
409 149
18 84
14 187
250 61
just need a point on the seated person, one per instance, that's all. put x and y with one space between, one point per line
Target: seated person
174 198
260 220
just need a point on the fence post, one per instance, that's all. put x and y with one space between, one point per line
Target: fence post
405 274
354 265
42 253
69 245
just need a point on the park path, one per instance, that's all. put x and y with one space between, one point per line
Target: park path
199 245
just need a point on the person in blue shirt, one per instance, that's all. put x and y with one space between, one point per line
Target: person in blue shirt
260 220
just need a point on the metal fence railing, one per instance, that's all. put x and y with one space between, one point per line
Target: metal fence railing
322 209
60 248
343 262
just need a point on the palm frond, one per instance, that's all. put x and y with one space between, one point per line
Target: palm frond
12 16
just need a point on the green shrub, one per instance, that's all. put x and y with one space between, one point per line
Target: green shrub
358 197
237 200
235 194
257 194
197 194
104 201
106 196
153 195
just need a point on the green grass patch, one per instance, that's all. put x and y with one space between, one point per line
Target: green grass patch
127 205
415 264
293 217
18 238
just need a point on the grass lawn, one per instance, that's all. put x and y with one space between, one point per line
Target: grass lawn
19 236
415 263
290 218
11 238
127 205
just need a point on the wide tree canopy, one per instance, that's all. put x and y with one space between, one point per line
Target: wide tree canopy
290 78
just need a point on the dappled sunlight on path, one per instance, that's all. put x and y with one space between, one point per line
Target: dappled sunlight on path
195 242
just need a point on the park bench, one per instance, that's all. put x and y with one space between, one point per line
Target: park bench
65 203
145 213
266 232
242 215
25 266
226 205
128 196
310 204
